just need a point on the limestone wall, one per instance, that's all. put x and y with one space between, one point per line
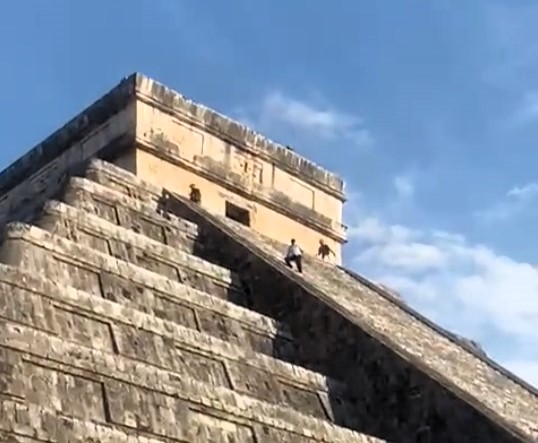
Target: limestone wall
397 391
173 153
122 368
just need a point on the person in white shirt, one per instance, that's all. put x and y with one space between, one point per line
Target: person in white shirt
294 254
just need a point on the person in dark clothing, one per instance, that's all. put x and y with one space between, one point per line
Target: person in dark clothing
195 195
324 250
294 254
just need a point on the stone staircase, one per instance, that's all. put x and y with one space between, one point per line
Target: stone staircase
114 329
131 315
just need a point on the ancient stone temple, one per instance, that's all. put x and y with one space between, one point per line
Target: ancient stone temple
131 314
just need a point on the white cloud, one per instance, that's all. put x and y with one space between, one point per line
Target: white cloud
371 230
325 122
465 287
404 185
524 192
516 201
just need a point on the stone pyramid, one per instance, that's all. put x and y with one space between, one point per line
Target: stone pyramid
130 314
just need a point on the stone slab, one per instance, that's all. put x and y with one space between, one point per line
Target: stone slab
131 212
89 230
93 385
108 277
101 324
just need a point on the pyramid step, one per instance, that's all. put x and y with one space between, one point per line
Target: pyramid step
124 244
109 389
121 180
105 276
84 320
139 216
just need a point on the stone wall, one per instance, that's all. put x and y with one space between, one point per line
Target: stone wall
159 319
399 399
230 131
130 334
122 368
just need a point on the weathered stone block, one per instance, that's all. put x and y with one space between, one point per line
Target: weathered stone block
127 245
123 392
138 336
104 276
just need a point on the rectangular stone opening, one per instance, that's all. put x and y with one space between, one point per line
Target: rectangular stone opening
237 213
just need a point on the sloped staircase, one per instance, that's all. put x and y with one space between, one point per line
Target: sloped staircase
116 328
129 314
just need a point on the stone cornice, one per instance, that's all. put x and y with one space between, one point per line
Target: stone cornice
137 86
172 102
279 203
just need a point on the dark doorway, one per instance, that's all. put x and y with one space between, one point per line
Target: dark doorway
238 214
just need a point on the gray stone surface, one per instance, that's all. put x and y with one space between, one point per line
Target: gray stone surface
122 282
472 384
500 397
114 326
142 342
92 385
505 392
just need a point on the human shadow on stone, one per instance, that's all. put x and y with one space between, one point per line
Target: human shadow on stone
372 389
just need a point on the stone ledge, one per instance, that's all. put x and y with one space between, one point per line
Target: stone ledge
145 204
101 324
134 382
67 221
131 213
230 131
31 423
89 268
188 338
277 201
62 219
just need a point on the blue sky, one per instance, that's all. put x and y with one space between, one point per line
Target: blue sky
429 110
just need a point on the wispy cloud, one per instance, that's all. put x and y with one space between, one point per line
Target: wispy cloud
524 193
467 288
404 185
516 201
323 121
